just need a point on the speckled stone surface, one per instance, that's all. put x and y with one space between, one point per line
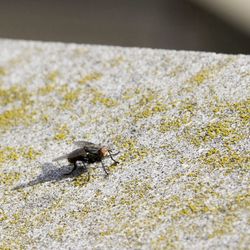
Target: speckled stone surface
179 119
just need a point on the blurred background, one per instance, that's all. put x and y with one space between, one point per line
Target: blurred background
204 25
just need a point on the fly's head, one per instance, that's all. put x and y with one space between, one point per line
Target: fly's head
104 152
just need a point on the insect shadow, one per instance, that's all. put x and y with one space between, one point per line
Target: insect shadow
88 153
51 173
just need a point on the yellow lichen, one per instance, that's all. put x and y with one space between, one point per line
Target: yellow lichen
62 89
2 156
9 178
136 187
58 233
52 76
3 215
13 94
6 245
130 93
230 120
81 213
173 124
194 207
99 97
60 136
188 106
158 107
148 105
47 89
223 227
200 77
15 117
30 153
222 129
228 160
167 240
238 110
15 218
81 180
44 216
186 110
2 71
176 71
71 96
209 72
45 118
90 77
13 154
216 129
131 151
106 232
5 153
148 97
62 132
115 61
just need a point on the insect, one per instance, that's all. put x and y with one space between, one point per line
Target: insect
87 153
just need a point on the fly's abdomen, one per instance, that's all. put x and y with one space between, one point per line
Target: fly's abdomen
77 155
92 158
77 158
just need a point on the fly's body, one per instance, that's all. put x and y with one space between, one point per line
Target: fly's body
88 153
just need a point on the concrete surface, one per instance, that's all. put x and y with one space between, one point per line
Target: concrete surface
179 119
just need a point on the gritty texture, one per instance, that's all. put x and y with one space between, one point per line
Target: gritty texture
179 119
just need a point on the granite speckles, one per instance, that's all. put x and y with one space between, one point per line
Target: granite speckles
180 120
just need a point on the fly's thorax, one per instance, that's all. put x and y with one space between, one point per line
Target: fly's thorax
103 152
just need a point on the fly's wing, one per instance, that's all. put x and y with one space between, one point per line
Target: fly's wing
73 154
84 144
88 146
62 157
76 153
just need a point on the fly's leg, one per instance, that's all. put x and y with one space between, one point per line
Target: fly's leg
104 169
84 166
111 156
86 169
56 163
73 169
88 176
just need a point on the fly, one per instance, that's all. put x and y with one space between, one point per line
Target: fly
87 153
